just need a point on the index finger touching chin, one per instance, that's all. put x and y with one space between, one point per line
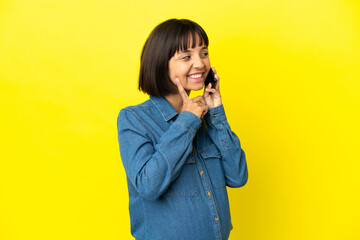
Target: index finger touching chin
181 89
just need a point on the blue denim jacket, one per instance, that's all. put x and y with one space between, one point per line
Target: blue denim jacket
178 167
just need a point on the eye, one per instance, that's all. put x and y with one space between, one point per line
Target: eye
186 57
204 54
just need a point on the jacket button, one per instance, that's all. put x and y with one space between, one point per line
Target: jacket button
216 219
209 193
201 173
215 115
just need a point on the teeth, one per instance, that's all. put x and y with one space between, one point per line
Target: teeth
195 76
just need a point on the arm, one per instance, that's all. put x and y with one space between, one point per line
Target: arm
152 168
233 157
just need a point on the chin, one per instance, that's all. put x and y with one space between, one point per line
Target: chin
197 88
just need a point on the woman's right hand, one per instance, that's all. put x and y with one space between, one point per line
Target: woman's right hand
195 105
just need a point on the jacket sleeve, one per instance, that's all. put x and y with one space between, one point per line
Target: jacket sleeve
150 167
233 157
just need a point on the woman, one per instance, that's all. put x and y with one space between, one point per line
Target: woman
179 153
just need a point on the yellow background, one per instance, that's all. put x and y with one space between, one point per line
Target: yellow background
290 82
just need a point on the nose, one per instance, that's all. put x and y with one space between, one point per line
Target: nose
198 62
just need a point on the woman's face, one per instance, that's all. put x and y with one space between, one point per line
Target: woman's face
191 66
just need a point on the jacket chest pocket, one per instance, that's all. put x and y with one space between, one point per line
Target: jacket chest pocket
185 184
212 160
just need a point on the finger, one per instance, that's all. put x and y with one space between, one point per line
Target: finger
217 82
209 86
206 94
206 107
204 112
181 89
214 70
211 90
203 106
198 99
206 91
217 78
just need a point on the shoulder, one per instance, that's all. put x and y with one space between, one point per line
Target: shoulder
137 112
139 107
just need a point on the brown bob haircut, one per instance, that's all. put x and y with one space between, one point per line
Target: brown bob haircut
163 42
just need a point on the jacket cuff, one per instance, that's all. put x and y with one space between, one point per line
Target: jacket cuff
215 115
189 120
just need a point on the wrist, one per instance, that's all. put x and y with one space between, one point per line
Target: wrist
216 104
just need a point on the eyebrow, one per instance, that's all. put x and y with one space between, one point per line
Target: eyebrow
187 50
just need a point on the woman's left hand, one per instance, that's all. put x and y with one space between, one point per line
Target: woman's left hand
213 99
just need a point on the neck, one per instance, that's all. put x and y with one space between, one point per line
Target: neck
176 101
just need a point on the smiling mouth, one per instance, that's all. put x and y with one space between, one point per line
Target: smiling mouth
195 75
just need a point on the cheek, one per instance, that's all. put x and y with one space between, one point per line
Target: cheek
178 70
207 64
172 71
182 70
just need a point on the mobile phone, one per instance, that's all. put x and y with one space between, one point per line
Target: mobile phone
210 78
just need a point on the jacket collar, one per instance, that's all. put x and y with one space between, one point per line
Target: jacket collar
165 108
